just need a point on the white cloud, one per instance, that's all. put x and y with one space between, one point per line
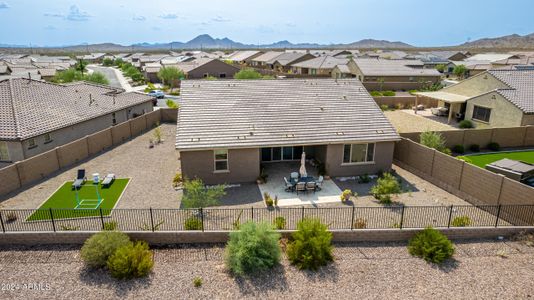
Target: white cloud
169 16
4 5
75 14
139 18
220 19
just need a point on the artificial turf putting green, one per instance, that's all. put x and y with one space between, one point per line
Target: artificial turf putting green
63 201
482 160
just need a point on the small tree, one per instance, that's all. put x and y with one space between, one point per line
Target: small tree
253 248
197 195
96 77
107 62
170 74
118 62
311 245
441 68
247 73
431 245
81 65
433 140
386 186
460 71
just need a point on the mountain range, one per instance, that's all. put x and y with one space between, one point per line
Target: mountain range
205 41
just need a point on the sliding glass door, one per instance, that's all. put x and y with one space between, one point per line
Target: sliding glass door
281 153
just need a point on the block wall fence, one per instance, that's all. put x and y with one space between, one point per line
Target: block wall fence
28 171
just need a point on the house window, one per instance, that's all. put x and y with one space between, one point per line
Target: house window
222 75
47 138
221 160
4 153
358 153
206 75
313 71
481 113
113 118
31 143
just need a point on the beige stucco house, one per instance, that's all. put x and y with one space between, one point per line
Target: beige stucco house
227 129
495 98
37 116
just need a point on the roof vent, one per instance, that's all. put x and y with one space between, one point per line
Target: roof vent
340 133
290 135
195 139
321 108
380 131
344 97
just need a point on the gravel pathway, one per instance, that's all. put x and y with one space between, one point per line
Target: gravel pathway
151 172
361 270
404 122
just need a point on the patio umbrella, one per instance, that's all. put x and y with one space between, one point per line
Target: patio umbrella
302 169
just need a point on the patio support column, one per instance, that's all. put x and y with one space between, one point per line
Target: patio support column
415 107
450 113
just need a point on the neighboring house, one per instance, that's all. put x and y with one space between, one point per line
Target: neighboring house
244 57
319 66
47 74
522 60
283 62
342 71
392 74
226 129
38 116
261 61
496 98
93 58
195 69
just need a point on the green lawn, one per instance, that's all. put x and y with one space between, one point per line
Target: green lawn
65 198
482 160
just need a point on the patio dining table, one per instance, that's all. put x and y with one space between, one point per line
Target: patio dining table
294 181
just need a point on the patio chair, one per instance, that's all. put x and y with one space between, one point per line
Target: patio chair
108 180
294 175
300 187
80 179
319 183
311 186
289 186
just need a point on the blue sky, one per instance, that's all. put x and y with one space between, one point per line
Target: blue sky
418 22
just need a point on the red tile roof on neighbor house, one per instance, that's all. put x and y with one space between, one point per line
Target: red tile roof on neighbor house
30 108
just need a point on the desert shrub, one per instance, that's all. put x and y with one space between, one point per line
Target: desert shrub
254 248
131 261
385 186
388 93
107 62
458 149
474 148
247 73
100 246
345 195
197 282
311 245
431 245
110 226
177 179
171 104
461 221
196 195
433 140
364 178
360 223
280 223
493 146
384 107
268 200
193 223
466 124
375 93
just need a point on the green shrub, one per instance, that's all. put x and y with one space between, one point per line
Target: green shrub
388 93
197 195
247 73
474 148
177 179
493 146
446 151
466 124
465 158
433 140
311 245
384 107
197 282
385 186
110 226
461 221
254 248
412 92
431 245
458 149
375 93
171 104
268 200
364 178
280 223
100 246
131 261
193 223
107 62
345 195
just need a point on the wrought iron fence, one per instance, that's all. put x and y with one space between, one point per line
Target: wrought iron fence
215 219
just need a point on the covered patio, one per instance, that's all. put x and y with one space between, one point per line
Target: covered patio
449 105
275 186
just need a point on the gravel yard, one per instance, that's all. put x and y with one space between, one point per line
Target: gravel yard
406 122
151 172
361 270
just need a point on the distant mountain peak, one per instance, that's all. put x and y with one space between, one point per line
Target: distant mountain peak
515 41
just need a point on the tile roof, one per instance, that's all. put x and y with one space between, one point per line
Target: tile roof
243 55
491 57
321 62
287 58
344 69
267 56
29 108
521 83
393 67
260 113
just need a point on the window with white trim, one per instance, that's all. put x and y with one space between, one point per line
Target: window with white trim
31 143
47 138
4 153
358 153
481 113
221 160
